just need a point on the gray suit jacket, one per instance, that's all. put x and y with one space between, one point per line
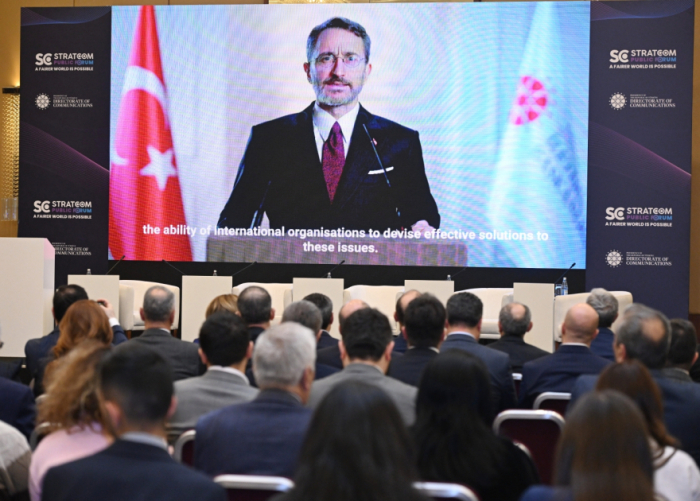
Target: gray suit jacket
403 395
200 395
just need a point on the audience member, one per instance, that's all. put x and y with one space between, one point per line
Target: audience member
644 334
224 302
264 436
400 342
331 355
255 308
65 295
453 431
514 321
17 409
83 320
158 314
225 348
307 314
14 463
357 448
324 304
606 306
603 454
676 476
72 411
136 391
683 351
424 329
695 372
559 371
464 315
365 349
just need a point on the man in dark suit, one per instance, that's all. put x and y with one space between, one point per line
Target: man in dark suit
606 306
66 295
17 406
264 437
331 355
424 328
325 305
464 315
255 308
328 153
137 393
643 335
558 372
514 321
400 344
158 314
682 352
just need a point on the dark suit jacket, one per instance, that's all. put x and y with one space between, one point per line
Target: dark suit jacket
281 174
602 345
496 362
558 372
262 437
400 344
518 351
182 355
409 367
681 408
695 372
330 357
36 349
547 493
326 340
17 406
128 471
255 332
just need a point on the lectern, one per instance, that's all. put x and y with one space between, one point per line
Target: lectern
99 287
540 299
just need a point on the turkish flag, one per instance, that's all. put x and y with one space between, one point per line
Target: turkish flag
146 214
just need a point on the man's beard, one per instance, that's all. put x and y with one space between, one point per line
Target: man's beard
336 100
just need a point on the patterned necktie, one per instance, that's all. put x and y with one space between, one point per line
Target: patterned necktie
333 159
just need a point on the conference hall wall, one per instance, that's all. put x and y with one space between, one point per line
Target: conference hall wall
521 137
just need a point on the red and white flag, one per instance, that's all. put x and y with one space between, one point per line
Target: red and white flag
146 214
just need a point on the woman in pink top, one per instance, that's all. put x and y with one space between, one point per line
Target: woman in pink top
72 409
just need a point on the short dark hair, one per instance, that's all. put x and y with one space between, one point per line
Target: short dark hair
65 296
224 338
305 313
400 311
635 333
140 381
158 304
684 343
512 326
425 321
464 308
324 304
255 305
342 23
366 334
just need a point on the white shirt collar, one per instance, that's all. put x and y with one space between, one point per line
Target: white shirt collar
324 121
463 333
145 438
230 370
574 344
429 347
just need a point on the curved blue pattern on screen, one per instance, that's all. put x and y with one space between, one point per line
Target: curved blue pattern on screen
601 11
63 15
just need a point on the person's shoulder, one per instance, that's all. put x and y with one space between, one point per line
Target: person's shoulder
13 388
546 493
377 123
399 387
285 122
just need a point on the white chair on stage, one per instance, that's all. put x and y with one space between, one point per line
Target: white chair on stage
493 300
281 295
382 297
563 303
131 293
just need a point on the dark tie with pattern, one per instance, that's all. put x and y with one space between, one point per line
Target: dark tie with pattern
333 159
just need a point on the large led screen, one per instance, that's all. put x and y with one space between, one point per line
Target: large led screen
407 134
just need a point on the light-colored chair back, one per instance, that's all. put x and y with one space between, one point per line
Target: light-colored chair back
381 297
445 491
131 293
624 299
493 300
253 487
183 450
563 303
278 292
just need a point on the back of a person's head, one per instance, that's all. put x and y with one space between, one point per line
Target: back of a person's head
64 297
604 452
645 334
71 389
325 305
580 324
465 309
255 305
634 380
282 354
224 338
305 313
357 447
158 304
139 381
366 334
514 319
605 305
402 303
85 319
224 302
348 309
425 321
684 344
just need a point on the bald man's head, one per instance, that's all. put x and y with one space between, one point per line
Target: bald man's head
348 309
402 303
580 324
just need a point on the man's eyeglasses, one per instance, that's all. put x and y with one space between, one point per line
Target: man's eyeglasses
326 61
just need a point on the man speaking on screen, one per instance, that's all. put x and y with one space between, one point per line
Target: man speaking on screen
334 164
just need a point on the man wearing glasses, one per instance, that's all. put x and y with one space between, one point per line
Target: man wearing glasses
334 164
